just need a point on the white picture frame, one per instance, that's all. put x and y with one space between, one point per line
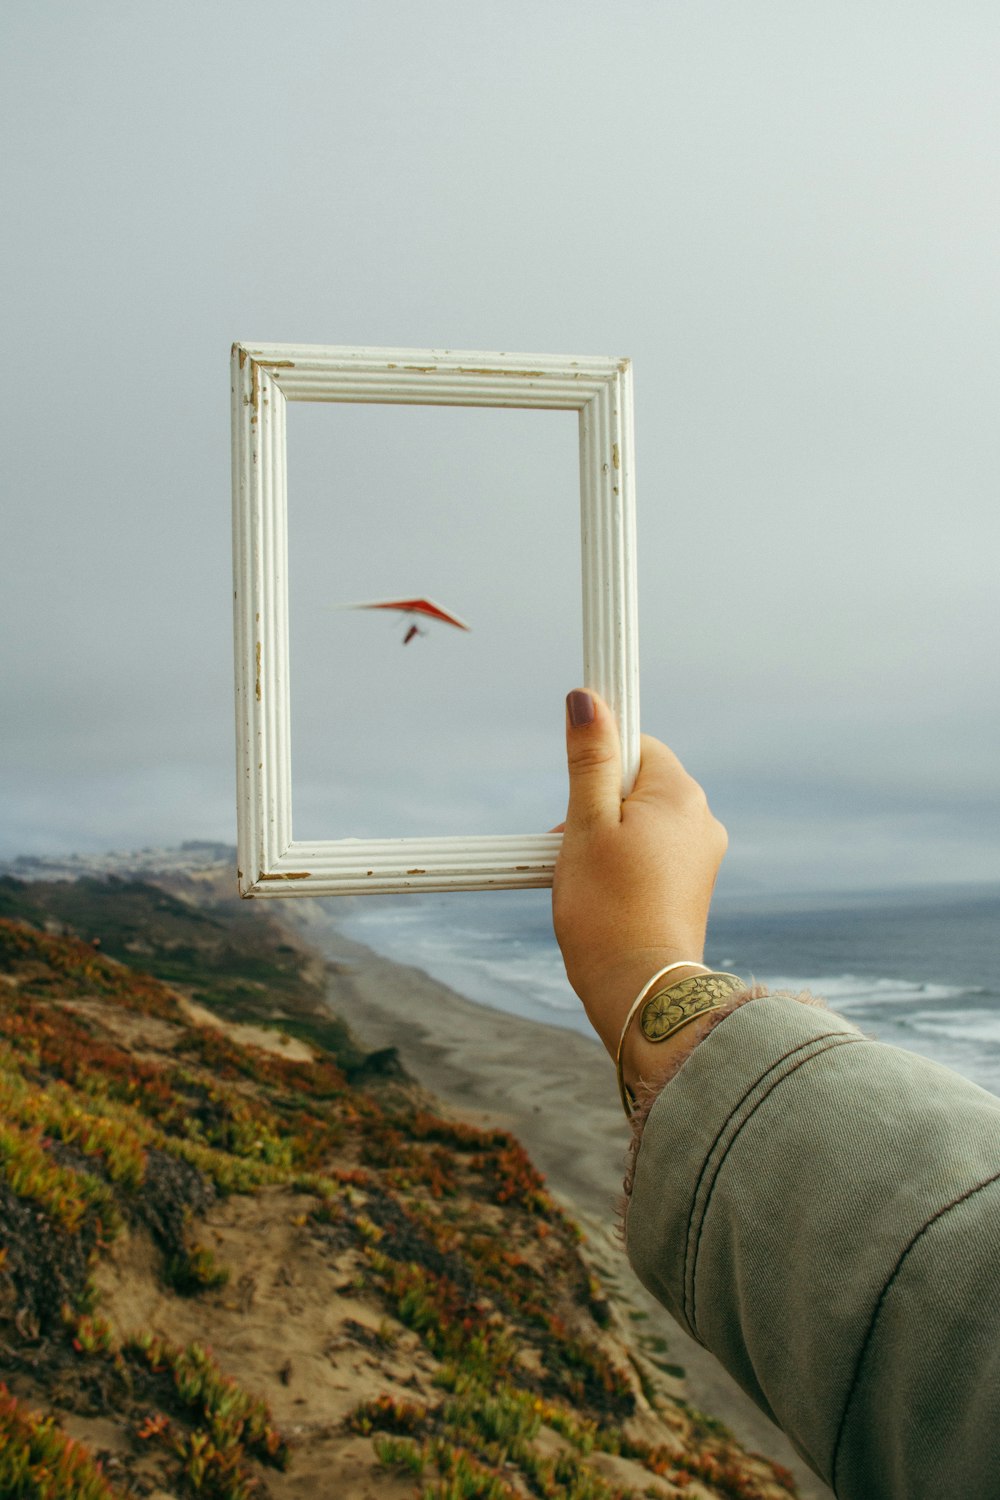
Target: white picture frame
264 378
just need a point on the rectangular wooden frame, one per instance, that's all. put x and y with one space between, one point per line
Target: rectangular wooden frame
264 378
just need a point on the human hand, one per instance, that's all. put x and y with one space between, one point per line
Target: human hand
634 879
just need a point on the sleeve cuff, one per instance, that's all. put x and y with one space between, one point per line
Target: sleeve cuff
782 1177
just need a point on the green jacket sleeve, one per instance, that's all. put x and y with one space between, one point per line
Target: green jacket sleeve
822 1212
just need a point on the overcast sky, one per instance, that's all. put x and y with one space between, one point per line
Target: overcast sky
786 214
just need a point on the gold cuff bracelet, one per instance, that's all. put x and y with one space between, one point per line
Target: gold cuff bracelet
671 1008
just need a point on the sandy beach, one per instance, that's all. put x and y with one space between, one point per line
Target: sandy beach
555 1090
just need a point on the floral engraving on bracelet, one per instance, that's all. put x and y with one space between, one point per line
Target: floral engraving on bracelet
673 1007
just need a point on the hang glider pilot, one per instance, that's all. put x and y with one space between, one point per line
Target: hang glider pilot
411 608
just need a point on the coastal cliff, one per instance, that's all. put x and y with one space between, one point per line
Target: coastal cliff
243 1255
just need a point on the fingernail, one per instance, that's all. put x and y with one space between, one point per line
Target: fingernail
580 707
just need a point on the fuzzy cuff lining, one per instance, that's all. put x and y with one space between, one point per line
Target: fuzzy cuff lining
646 1095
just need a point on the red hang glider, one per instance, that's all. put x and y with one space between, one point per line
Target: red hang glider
419 608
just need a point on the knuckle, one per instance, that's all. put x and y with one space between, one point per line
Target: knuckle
591 757
694 795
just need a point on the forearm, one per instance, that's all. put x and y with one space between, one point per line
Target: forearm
823 1213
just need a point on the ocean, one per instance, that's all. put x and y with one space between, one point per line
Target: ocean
919 969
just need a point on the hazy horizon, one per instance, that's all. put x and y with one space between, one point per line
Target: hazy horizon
786 217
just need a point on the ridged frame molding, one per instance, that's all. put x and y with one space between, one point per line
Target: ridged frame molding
264 378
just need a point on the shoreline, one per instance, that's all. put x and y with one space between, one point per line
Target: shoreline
555 1090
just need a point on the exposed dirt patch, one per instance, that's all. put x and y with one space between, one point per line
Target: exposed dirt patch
250 1036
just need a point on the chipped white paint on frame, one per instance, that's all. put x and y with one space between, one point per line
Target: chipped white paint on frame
264 378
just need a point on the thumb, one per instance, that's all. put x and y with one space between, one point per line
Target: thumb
594 758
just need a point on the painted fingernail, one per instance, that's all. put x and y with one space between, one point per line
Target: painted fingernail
580 707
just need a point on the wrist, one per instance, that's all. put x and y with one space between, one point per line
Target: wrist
610 991
651 1063
642 1060
673 1012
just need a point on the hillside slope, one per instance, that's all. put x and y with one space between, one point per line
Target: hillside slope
236 1262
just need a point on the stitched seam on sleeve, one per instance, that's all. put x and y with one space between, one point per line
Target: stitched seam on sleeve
832 1039
947 1208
